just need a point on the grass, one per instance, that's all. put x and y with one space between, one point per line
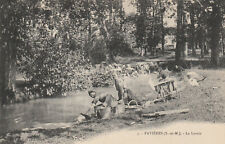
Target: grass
206 104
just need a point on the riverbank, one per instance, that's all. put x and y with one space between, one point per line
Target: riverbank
83 78
206 104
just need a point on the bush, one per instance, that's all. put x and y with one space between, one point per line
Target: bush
98 52
117 45
51 68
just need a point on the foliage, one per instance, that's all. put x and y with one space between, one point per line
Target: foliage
106 21
206 25
149 24
11 37
54 41
59 39
117 44
98 52
53 48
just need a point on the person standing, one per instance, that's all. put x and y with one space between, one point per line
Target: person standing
119 87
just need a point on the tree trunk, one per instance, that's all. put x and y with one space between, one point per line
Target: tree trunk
201 40
7 72
179 38
145 51
121 14
153 30
88 43
7 52
162 27
201 46
184 36
206 50
223 45
215 22
2 75
110 13
192 39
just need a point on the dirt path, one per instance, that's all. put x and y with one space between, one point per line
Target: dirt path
206 104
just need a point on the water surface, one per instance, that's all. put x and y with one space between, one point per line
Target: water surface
46 110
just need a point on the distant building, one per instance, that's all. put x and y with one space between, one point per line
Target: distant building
170 41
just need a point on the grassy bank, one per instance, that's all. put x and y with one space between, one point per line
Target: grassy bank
206 103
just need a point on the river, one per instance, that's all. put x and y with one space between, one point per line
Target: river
46 110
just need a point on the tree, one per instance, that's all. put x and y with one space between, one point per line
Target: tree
149 25
215 24
180 32
209 18
56 33
192 28
51 40
162 10
42 39
11 25
107 19
198 26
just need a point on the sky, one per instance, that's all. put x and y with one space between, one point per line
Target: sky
129 8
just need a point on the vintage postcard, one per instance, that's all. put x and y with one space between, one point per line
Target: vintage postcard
112 71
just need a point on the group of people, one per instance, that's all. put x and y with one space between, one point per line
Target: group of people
106 105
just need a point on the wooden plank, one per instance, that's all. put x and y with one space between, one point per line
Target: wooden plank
172 94
165 82
162 113
133 107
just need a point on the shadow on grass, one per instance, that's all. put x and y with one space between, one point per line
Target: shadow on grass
206 64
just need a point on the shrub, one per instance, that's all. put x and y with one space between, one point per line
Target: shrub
98 52
117 45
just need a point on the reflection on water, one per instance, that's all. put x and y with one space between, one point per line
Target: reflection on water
41 111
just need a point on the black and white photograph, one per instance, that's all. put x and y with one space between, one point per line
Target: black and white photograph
112 71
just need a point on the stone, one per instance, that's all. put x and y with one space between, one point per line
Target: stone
2 140
193 82
80 119
194 75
